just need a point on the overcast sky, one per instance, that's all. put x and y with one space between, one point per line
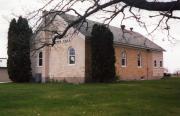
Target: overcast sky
13 8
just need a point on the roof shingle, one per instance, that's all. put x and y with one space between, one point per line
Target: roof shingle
125 37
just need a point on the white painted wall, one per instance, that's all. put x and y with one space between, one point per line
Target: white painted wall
3 62
55 59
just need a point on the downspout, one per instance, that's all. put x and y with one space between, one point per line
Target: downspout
148 64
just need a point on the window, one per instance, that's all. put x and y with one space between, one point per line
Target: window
40 59
161 64
123 58
155 63
71 55
139 59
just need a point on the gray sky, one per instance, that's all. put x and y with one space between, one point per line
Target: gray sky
12 8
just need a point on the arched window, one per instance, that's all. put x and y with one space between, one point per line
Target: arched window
155 63
71 55
139 59
40 59
123 58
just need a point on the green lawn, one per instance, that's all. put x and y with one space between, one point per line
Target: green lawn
138 98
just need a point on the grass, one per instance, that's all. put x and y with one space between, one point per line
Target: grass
136 98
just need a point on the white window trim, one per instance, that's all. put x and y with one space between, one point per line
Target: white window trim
124 66
139 53
139 66
154 64
38 59
71 55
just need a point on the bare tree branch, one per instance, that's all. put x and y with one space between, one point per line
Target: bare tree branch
64 6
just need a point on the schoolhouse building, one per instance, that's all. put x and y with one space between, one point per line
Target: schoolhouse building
137 58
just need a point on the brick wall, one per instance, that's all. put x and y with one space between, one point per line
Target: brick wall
157 71
132 71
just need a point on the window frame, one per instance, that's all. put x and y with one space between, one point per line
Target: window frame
71 55
155 63
123 57
38 59
139 59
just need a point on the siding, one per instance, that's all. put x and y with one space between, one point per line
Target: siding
4 77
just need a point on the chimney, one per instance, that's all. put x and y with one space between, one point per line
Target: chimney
122 27
131 29
44 12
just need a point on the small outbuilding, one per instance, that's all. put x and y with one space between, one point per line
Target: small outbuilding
4 77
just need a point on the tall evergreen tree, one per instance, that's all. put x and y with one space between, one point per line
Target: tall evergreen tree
103 59
11 49
19 64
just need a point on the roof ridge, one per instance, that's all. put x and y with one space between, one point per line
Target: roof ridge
130 37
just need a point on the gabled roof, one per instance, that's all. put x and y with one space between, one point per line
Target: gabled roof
125 37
